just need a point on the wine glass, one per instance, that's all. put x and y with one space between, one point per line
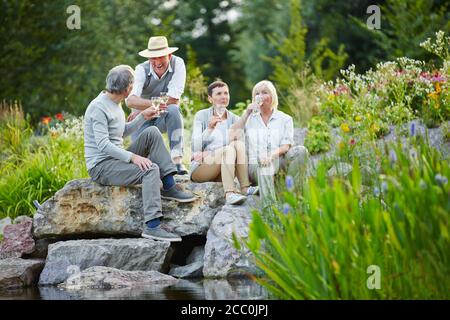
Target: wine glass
220 110
155 103
259 102
164 98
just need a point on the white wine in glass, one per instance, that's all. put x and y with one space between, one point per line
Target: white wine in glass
220 110
155 103
164 98
259 102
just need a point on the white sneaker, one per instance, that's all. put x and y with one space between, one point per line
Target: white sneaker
252 190
235 198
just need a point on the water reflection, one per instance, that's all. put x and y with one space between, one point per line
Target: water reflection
235 289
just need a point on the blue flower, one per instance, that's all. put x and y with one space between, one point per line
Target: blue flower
392 157
384 186
440 179
376 191
286 208
412 130
290 183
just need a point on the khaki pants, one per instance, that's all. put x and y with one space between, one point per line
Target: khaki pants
224 165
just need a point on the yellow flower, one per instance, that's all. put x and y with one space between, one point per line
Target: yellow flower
330 97
341 145
358 118
437 105
345 127
438 87
375 128
433 95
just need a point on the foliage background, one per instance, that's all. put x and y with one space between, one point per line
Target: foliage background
51 68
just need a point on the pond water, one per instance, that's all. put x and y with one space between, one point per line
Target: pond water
205 289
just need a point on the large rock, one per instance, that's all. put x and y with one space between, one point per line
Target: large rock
84 208
192 270
221 259
69 257
196 254
112 278
194 218
17 239
17 273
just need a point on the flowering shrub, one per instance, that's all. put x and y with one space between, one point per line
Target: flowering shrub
47 122
318 136
393 93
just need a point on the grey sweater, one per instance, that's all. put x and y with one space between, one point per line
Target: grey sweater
104 130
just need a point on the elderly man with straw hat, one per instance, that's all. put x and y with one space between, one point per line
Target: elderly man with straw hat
162 75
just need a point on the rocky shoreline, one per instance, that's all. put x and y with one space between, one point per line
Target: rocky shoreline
88 235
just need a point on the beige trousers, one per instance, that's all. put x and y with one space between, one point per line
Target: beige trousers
224 165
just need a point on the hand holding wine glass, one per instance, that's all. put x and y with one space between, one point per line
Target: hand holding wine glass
258 101
163 98
151 112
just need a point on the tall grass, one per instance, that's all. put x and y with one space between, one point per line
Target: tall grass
35 167
14 129
331 231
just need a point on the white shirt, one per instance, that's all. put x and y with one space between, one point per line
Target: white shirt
218 137
176 85
262 139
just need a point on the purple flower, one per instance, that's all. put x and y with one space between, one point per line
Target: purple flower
412 130
440 179
438 78
376 191
289 183
286 208
392 157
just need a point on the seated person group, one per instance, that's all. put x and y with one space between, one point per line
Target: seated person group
225 147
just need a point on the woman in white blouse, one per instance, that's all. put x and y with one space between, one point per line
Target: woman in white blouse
269 136
214 158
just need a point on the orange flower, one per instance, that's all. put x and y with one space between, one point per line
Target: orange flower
46 120
59 116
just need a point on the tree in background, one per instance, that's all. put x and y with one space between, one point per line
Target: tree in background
51 68
406 23
258 19
295 73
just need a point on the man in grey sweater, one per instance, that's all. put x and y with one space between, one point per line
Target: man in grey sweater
146 161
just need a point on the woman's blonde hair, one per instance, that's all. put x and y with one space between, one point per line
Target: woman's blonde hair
272 90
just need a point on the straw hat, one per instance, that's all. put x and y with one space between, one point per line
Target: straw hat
157 47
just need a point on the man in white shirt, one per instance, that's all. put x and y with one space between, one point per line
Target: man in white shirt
161 73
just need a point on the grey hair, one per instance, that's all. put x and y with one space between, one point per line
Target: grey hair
119 79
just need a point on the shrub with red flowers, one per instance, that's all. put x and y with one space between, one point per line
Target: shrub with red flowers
47 122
